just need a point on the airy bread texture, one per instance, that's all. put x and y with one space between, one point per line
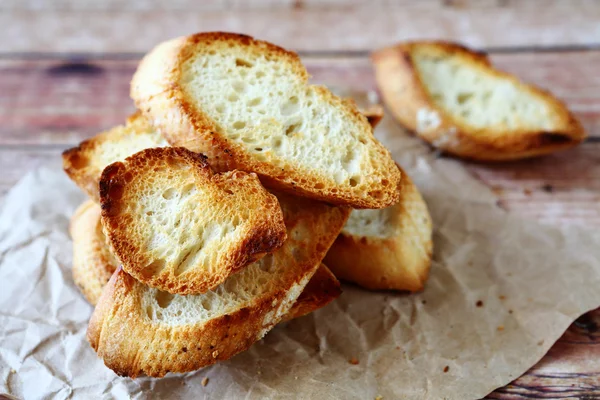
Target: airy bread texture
93 263
136 329
457 101
247 105
84 164
386 249
177 226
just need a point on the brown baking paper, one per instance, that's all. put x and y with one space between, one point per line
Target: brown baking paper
530 282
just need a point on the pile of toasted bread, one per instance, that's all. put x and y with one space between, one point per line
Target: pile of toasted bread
213 208
238 194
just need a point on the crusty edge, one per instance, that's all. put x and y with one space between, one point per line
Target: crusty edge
265 237
321 290
127 340
154 87
385 263
406 97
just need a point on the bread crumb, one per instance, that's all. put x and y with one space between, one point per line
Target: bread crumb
501 297
541 342
296 378
379 397
479 303
204 381
527 192
510 311
500 328
353 361
548 188
446 368
215 353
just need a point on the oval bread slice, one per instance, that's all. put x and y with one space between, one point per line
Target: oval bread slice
136 329
247 105
84 164
386 249
454 98
93 265
93 262
177 226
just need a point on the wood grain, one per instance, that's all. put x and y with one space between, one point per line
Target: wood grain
333 25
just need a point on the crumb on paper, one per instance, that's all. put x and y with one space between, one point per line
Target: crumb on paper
424 302
353 361
497 190
446 368
540 343
296 378
397 347
527 192
500 328
204 381
502 297
510 311
379 397
479 303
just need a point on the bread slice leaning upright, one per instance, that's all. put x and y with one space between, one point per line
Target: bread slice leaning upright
386 249
136 329
454 98
84 164
94 264
177 226
247 105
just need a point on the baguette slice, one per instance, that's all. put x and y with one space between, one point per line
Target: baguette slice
84 164
136 329
177 226
247 105
453 98
386 249
93 265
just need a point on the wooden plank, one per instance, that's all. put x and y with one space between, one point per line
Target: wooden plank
63 102
76 26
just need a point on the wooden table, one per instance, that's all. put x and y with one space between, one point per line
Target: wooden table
65 69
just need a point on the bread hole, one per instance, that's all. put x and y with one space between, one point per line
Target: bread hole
239 125
254 102
163 298
277 143
116 191
206 304
319 186
290 130
168 194
149 313
248 140
177 223
377 194
149 213
437 98
463 97
259 149
212 52
260 74
290 107
154 267
220 108
233 97
486 95
239 86
187 189
228 191
465 113
239 62
353 182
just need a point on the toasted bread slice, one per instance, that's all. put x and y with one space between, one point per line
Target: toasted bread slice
177 226
247 105
386 249
136 329
93 263
84 164
321 290
458 102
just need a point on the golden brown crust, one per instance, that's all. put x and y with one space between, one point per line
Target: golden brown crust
131 343
400 84
400 261
237 193
158 92
321 290
93 263
84 164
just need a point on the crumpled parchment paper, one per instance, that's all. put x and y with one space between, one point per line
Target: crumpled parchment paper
502 290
